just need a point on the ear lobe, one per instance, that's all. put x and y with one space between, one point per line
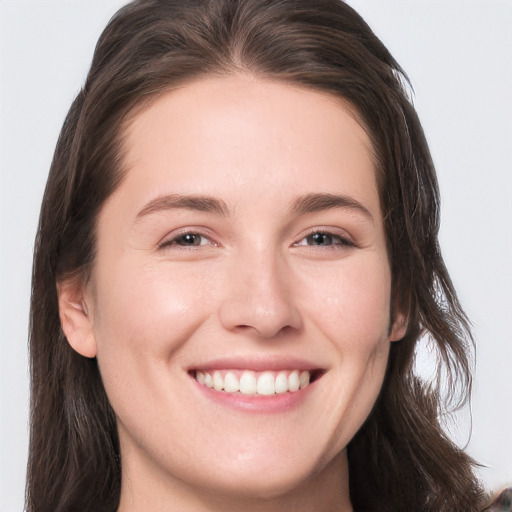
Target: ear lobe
398 328
75 317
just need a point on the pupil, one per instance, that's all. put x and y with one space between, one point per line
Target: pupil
190 239
321 239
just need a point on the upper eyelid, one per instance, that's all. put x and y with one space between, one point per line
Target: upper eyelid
206 233
345 241
171 237
334 231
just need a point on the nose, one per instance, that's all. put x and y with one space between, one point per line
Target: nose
258 297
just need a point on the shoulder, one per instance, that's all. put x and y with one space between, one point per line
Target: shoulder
502 503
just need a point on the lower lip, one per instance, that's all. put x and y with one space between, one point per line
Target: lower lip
279 402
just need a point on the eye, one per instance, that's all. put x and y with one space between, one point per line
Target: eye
324 239
188 239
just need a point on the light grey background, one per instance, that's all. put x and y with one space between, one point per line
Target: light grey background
458 54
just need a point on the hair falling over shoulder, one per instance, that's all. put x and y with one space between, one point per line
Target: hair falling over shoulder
401 460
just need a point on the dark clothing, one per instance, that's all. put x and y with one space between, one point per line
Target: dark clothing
503 503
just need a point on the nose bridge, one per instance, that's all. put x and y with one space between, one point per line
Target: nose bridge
259 295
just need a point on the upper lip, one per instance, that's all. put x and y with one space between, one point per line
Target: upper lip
257 364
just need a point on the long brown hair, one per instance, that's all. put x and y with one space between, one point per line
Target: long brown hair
400 459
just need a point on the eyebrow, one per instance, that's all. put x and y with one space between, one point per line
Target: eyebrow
309 203
312 203
184 202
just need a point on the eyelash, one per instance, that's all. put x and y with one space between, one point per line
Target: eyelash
342 241
176 241
336 241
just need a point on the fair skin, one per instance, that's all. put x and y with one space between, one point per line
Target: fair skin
246 238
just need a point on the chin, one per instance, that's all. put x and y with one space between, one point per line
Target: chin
272 479
259 485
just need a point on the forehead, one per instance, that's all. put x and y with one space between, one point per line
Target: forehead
237 131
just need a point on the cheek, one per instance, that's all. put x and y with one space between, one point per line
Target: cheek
140 301
144 314
351 310
351 303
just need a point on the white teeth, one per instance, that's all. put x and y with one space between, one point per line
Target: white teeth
281 382
249 382
303 379
293 381
266 384
218 381
231 384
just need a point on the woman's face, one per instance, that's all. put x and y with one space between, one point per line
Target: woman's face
244 248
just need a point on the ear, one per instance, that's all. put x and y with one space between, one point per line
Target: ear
398 327
75 316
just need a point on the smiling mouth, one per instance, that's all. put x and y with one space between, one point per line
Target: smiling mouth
249 382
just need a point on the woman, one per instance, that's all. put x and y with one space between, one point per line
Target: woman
237 254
